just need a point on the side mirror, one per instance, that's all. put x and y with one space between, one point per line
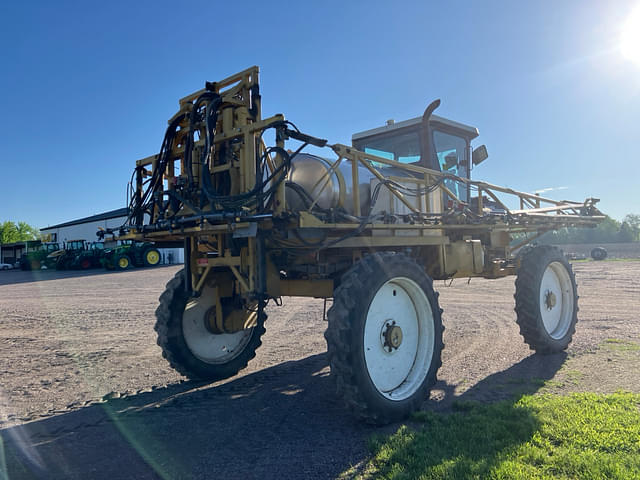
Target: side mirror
479 155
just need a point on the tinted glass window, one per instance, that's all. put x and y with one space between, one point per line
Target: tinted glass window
403 147
452 158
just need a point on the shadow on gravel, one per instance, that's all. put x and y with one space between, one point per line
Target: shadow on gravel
523 378
282 422
11 277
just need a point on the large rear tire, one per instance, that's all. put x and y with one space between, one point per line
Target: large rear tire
546 300
384 337
188 344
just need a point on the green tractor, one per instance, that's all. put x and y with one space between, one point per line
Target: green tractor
90 257
38 258
65 258
130 253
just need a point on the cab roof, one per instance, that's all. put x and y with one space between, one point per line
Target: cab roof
435 120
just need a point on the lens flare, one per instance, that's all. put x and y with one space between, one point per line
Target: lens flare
630 40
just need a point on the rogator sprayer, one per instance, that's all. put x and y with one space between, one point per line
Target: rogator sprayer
370 226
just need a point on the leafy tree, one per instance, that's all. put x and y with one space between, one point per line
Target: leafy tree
608 231
633 219
17 232
626 233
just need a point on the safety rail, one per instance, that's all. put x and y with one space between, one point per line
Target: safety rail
532 209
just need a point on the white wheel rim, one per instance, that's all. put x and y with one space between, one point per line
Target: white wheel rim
397 373
556 300
206 346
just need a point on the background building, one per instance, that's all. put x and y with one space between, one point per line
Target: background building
12 252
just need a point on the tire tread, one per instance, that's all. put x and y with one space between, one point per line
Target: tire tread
169 332
355 283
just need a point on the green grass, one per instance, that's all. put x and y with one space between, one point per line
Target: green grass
621 259
621 345
581 436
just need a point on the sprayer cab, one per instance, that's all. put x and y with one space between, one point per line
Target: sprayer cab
434 142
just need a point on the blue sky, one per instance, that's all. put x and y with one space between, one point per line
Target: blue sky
87 87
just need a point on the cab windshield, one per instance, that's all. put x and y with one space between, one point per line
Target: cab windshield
405 147
402 148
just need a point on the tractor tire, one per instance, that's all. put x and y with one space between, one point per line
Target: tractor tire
599 253
384 337
188 344
546 300
62 263
122 262
151 257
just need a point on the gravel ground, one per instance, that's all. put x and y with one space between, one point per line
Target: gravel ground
85 392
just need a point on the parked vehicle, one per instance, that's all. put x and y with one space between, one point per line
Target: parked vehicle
131 253
90 257
371 227
38 258
5 266
65 257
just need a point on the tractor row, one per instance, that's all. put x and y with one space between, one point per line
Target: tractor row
83 255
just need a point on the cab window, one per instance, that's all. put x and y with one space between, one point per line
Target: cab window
403 148
451 151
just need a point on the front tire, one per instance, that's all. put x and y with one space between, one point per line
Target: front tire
546 300
384 337
190 347
122 262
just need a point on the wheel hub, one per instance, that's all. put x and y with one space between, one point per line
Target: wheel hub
391 336
550 299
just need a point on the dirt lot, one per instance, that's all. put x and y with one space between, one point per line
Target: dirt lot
85 392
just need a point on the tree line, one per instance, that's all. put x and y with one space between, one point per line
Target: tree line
17 232
608 231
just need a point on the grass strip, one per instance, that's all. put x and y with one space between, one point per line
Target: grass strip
580 436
